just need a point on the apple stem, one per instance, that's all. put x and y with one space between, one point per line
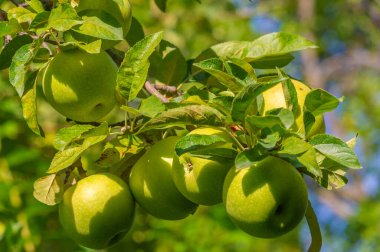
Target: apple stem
315 231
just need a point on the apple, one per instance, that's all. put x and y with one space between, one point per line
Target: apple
81 86
274 98
97 211
200 179
152 183
117 13
267 199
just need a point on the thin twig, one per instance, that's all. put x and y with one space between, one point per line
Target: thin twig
166 88
152 90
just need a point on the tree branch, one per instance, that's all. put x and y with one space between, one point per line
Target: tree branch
152 90
166 88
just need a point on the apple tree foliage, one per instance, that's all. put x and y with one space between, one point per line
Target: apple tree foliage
165 94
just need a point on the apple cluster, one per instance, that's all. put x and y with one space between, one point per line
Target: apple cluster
265 200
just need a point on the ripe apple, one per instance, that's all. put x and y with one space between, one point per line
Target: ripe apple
117 13
81 86
152 184
267 199
97 211
200 179
274 98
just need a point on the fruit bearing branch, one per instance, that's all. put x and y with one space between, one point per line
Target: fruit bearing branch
152 90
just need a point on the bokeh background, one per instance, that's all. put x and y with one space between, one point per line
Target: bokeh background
347 63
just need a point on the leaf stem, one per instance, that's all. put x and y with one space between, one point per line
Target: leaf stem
239 145
315 231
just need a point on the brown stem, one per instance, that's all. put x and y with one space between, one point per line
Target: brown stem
166 88
152 90
3 15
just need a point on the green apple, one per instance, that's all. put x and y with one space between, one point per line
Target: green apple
117 13
267 199
200 179
81 86
274 98
97 211
152 183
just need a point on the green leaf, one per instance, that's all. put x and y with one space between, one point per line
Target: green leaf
281 116
49 189
336 150
222 103
168 64
29 104
133 71
332 178
303 152
230 49
36 5
290 94
135 33
161 4
9 27
65 158
294 146
270 62
40 22
247 158
151 107
270 141
130 110
95 27
119 149
276 44
225 154
63 18
244 99
214 67
11 48
18 71
22 15
285 115
251 77
93 47
187 115
333 173
269 51
263 121
66 135
195 141
318 101
309 161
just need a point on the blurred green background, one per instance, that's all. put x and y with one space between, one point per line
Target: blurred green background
347 63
